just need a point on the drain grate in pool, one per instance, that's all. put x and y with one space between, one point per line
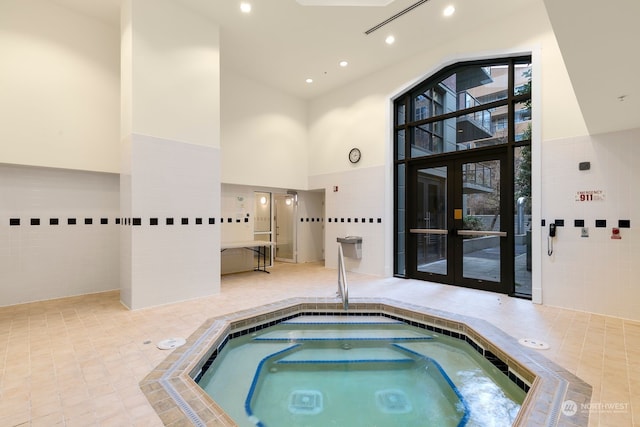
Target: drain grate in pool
307 402
393 401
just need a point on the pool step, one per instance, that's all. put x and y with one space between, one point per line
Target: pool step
331 334
346 354
337 320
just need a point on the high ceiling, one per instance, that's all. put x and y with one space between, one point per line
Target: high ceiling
282 43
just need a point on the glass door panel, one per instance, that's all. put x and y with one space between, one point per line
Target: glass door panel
262 226
285 222
480 233
431 220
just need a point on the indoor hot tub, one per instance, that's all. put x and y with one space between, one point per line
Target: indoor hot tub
309 360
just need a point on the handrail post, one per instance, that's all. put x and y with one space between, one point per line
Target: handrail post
343 287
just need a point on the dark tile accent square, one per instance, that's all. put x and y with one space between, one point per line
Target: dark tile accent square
229 219
371 220
307 219
137 221
118 221
54 221
185 221
578 223
601 223
496 361
543 222
14 221
379 220
348 219
35 221
364 220
301 219
169 221
153 221
355 219
329 219
71 221
199 221
104 221
212 221
246 220
238 220
341 219
624 223
313 219
88 221
559 222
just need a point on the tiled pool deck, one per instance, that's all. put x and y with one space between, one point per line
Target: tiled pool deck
178 400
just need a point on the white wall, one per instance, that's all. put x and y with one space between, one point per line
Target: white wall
59 114
336 119
45 261
175 73
237 212
310 226
596 274
59 80
170 151
264 134
360 196
170 263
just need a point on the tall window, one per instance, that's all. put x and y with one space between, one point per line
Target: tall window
479 106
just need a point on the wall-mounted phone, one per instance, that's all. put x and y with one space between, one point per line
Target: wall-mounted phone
552 234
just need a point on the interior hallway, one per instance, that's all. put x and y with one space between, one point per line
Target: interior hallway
77 361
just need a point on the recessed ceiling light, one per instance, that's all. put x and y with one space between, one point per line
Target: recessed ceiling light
390 40
449 10
309 80
245 7
343 63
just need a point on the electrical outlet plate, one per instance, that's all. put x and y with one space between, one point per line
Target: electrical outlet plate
584 232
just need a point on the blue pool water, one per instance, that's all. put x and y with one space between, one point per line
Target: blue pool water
331 371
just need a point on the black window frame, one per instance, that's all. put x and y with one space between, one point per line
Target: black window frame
405 125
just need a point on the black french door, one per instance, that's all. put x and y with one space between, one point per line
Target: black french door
459 221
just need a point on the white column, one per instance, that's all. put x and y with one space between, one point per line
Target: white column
170 154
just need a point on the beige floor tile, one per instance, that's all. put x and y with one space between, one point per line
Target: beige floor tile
77 361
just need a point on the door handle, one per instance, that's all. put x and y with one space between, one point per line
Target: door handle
428 231
481 233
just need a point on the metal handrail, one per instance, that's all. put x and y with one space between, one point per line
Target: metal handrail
343 287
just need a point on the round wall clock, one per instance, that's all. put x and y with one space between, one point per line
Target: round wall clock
354 155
